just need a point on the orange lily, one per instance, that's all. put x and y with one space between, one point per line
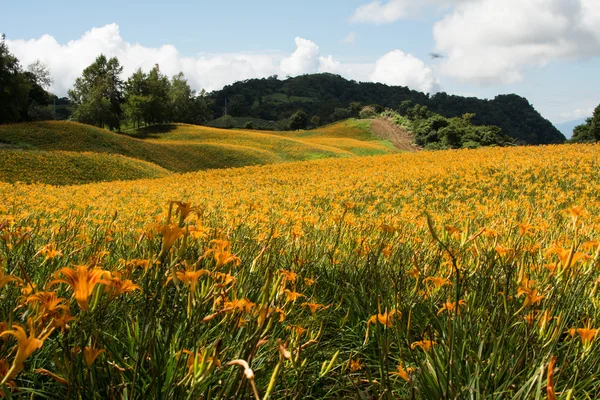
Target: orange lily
5 279
90 354
424 344
221 252
25 346
82 281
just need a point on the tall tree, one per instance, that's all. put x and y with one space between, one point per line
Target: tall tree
14 89
158 89
181 97
138 101
98 94
590 131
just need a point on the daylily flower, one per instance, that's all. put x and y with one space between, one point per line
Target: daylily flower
25 346
82 281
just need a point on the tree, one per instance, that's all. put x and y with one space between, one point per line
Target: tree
298 120
14 89
98 94
181 98
158 89
590 131
138 102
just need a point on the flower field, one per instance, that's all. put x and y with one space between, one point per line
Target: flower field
433 275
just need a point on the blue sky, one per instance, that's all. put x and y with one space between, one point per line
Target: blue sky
547 51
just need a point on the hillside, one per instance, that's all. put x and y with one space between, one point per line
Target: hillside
448 266
72 168
330 96
174 148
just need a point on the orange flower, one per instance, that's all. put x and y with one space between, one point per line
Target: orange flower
292 296
170 235
387 318
116 286
438 282
531 295
189 277
313 307
82 281
221 252
25 346
355 365
587 335
49 303
5 279
403 373
451 306
90 354
424 344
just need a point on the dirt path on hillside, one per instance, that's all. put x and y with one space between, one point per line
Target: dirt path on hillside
387 130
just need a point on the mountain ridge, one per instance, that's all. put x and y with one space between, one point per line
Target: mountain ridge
330 98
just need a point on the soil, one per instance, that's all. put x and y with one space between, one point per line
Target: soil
387 130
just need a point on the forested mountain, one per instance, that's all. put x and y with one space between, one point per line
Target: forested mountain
331 97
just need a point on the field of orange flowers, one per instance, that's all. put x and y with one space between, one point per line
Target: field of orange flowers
435 275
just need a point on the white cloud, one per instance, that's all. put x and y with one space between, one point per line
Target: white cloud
495 41
378 12
401 69
350 38
304 60
210 71
576 114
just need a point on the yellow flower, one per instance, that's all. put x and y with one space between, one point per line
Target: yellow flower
82 281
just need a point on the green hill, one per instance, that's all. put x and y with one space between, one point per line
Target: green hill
167 148
330 96
71 168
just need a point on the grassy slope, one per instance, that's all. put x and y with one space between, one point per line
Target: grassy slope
70 168
181 148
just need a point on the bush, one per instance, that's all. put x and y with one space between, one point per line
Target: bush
367 112
248 125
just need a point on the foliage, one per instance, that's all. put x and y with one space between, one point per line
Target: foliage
98 94
298 120
22 96
321 94
429 275
590 131
435 132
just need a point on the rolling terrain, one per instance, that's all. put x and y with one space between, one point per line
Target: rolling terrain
31 150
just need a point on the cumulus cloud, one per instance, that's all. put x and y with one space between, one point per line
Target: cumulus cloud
378 12
209 71
304 60
400 69
495 41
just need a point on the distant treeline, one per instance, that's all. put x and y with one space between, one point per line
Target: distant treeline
100 96
332 98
